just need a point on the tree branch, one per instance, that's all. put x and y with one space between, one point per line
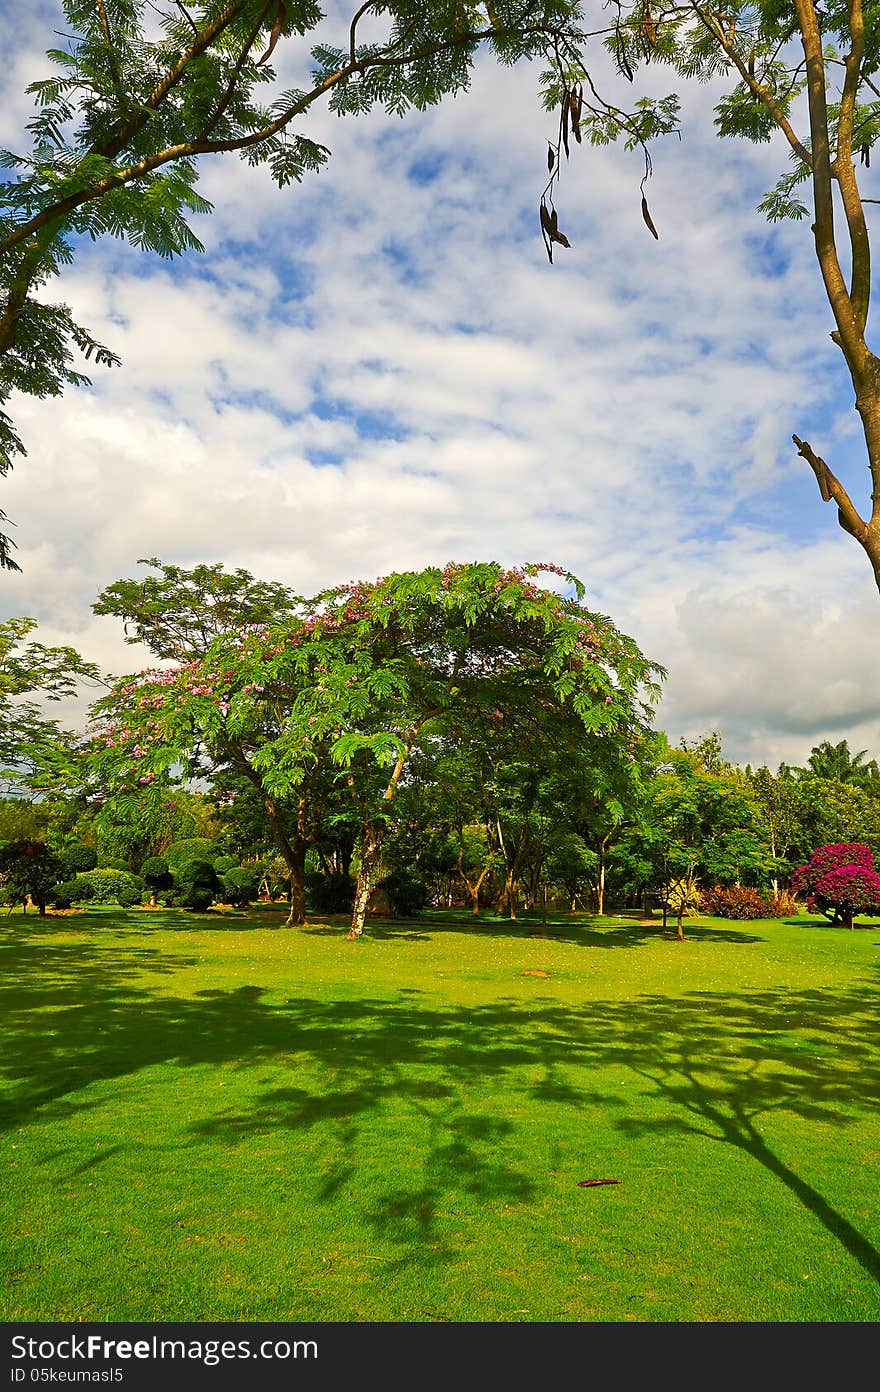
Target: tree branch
830 488
844 172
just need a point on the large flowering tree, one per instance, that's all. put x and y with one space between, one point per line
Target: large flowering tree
839 881
332 703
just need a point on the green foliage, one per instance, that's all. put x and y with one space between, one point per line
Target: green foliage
191 848
61 895
331 894
407 894
104 886
196 883
28 868
239 885
77 857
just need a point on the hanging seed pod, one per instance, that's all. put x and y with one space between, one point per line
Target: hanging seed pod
648 219
280 17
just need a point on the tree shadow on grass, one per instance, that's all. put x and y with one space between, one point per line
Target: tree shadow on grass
711 1063
626 934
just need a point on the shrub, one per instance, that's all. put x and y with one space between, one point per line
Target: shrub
156 875
331 893
105 884
62 895
239 885
407 895
78 857
225 863
129 895
845 892
117 863
197 884
784 903
826 858
839 881
737 901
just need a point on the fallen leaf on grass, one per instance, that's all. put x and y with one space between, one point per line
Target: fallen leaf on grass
535 973
588 1183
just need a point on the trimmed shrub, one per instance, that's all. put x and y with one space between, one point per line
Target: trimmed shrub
331 893
78 857
197 884
156 875
62 896
407 895
239 886
104 885
128 896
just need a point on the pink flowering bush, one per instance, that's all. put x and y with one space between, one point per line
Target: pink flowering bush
839 881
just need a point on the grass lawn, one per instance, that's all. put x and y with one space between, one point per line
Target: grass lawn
214 1117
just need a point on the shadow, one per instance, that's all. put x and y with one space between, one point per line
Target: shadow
710 1063
623 933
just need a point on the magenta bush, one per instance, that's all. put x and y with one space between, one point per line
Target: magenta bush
839 881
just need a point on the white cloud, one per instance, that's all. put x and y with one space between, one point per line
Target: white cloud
626 412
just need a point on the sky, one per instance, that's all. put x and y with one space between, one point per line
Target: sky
379 370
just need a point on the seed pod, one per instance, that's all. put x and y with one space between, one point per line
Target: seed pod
648 220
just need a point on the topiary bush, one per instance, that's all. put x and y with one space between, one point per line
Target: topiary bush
197 884
128 896
239 886
156 876
78 857
104 885
407 895
62 896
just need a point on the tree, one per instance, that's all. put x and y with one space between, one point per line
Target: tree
37 757
128 115
786 59
696 828
29 868
331 706
839 881
835 761
156 876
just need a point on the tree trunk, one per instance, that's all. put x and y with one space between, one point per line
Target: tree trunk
369 862
679 925
296 864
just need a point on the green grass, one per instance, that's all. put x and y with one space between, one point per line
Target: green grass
211 1117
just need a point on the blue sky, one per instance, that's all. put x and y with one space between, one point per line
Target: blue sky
379 370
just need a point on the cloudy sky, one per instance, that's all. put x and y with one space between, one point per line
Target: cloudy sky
378 369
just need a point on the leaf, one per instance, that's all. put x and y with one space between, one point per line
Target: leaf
280 17
648 220
561 238
589 1183
551 157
